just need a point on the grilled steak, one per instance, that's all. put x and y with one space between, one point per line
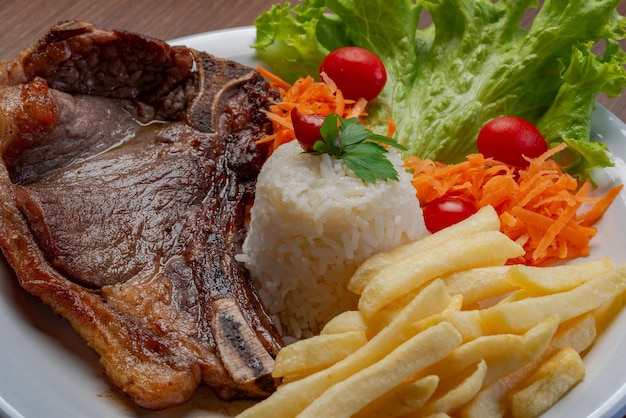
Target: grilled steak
126 169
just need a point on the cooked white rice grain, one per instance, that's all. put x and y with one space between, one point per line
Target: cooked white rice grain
313 222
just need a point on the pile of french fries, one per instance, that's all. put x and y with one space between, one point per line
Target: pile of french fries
445 328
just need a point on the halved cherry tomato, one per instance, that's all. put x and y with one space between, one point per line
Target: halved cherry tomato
356 71
509 138
307 128
446 211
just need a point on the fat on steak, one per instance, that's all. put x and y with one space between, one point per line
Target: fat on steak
127 165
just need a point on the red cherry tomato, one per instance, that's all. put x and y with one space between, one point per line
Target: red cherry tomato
356 71
509 138
445 211
307 128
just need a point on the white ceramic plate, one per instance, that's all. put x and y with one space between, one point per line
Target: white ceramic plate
46 370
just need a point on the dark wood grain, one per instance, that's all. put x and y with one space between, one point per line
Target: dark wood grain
23 22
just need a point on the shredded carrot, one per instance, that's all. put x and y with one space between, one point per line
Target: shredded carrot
273 79
539 206
309 96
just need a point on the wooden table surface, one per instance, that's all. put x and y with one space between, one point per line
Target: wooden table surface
24 22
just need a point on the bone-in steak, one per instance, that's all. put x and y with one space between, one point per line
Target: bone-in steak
126 169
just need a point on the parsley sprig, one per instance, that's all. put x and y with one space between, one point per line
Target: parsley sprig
361 149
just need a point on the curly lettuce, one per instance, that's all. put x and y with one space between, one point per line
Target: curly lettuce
473 62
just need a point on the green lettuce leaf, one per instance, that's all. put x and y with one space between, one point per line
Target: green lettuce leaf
472 63
286 38
569 117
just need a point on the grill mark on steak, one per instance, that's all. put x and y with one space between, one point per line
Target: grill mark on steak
127 230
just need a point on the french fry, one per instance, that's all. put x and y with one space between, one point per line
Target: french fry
533 345
515 296
386 315
548 280
472 352
345 322
293 397
479 284
519 316
503 353
548 384
306 356
383 318
455 398
578 333
482 249
349 396
605 313
354 321
486 219
401 400
468 323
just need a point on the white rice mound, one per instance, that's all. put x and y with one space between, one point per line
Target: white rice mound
312 223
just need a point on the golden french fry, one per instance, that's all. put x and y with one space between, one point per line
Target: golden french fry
547 280
456 303
605 313
347 397
345 322
401 400
386 315
578 333
533 345
479 284
515 296
482 249
486 219
509 354
293 397
312 354
468 323
383 318
520 315
472 352
458 396
548 384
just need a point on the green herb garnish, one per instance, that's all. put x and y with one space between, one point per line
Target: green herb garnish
361 149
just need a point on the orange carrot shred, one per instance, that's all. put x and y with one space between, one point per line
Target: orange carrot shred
274 80
539 206
309 96
595 213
